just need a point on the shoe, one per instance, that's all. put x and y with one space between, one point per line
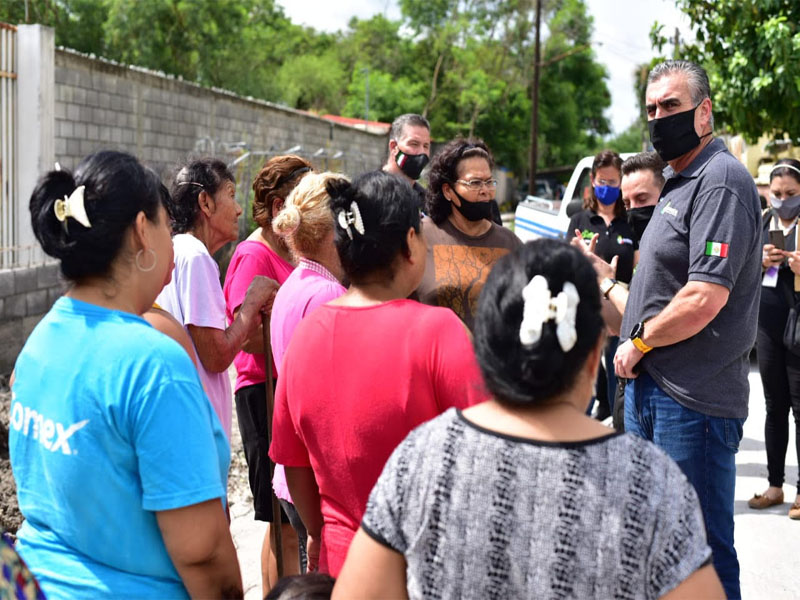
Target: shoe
794 512
759 501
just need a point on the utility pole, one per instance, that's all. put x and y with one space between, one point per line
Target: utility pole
535 103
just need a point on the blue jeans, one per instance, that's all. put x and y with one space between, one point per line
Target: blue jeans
704 447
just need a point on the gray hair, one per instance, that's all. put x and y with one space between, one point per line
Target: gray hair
696 77
407 120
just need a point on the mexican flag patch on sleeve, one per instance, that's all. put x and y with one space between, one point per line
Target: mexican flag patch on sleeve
717 249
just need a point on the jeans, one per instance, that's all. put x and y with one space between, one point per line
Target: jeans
704 447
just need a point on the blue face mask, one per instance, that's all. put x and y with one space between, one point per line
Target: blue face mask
606 194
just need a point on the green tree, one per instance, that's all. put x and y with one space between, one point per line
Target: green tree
751 50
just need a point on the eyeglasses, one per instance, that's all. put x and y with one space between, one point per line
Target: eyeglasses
477 184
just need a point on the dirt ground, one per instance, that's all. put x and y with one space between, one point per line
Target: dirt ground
10 517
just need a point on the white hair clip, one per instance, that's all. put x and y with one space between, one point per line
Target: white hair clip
351 217
72 206
540 307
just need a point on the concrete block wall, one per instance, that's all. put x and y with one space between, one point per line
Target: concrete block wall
103 105
26 294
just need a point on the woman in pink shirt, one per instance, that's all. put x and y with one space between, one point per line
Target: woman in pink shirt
363 370
262 253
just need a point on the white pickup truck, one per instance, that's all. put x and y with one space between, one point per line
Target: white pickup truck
539 217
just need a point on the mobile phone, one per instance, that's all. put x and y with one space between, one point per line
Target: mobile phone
776 238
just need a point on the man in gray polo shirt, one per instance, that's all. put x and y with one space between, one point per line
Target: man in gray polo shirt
691 315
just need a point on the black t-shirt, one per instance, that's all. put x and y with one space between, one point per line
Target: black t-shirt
616 239
774 307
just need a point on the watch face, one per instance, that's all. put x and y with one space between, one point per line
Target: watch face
637 330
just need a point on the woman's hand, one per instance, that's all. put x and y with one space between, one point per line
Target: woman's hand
312 550
772 256
794 260
260 294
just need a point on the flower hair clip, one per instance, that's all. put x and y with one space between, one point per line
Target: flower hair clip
351 217
540 306
72 206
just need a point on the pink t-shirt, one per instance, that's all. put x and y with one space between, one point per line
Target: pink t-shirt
354 382
310 285
250 258
194 297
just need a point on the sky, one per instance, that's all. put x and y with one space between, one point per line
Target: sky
621 36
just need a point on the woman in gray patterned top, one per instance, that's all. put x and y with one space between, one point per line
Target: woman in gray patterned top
524 495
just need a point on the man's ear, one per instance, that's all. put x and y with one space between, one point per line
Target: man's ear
206 203
705 114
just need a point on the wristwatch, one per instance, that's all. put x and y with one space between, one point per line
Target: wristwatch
637 333
606 286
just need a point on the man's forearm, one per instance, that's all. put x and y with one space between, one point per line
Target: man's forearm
688 313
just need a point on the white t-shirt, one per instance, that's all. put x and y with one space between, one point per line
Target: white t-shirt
194 297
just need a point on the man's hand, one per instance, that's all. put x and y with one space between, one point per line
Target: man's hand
601 267
626 359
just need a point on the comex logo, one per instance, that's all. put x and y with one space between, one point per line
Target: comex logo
50 434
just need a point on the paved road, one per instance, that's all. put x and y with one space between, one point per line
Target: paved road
767 541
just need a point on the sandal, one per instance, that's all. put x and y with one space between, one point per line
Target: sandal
759 501
794 511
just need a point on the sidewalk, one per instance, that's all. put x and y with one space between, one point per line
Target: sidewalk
767 541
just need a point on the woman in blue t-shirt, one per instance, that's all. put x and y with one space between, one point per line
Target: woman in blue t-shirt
119 459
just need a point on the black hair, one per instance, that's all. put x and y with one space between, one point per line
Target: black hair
311 586
444 169
777 171
389 207
520 375
204 174
649 161
116 188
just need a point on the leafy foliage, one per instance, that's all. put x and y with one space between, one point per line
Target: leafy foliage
751 50
465 64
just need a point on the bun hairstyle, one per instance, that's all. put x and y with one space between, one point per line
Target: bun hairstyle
786 167
306 217
278 176
116 188
520 375
388 207
444 169
205 174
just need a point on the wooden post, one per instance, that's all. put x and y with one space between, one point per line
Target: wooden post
276 506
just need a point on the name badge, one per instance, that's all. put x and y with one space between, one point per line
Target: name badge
770 278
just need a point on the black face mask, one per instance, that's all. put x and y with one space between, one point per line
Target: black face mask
674 136
638 218
411 164
473 211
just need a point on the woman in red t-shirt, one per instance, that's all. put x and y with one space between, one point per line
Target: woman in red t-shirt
365 369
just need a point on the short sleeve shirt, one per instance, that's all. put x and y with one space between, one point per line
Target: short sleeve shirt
616 239
458 264
251 258
354 382
479 514
105 431
706 227
194 297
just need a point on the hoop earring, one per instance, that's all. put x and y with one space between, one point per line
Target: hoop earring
138 263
